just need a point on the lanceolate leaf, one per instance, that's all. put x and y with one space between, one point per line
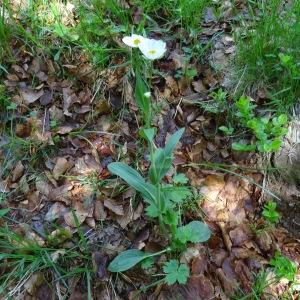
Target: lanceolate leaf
142 101
162 158
134 179
129 258
126 260
160 165
172 142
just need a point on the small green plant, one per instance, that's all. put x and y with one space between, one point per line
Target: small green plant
260 283
188 73
227 130
270 213
217 104
162 199
176 272
283 267
268 131
22 257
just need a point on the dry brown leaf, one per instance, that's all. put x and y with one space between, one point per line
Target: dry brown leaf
61 193
199 264
17 171
200 287
238 236
43 186
29 96
100 213
244 275
114 206
199 86
74 218
61 166
99 263
56 211
33 282
218 256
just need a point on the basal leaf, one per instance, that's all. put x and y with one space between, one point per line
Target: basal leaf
126 260
133 178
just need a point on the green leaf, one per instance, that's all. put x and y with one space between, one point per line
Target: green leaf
134 179
147 262
243 147
175 272
126 260
3 212
180 178
162 158
152 211
160 165
195 232
171 218
283 267
245 108
148 133
227 130
142 101
178 193
172 142
270 213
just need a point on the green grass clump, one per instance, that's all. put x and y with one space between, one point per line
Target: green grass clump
262 44
22 257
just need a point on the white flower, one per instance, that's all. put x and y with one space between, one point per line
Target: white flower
147 94
133 41
153 49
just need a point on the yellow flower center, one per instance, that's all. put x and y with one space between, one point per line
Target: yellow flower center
152 52
136 41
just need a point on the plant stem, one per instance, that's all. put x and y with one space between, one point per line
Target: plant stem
158 187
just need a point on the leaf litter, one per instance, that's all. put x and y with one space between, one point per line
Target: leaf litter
74 190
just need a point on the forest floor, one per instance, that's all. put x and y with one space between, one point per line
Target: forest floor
68 109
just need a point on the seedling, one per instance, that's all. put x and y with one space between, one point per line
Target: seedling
268 132
162 200
217 104
270 213
283 267
227 130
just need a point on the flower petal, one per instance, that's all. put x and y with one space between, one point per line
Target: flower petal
153 49
133 41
